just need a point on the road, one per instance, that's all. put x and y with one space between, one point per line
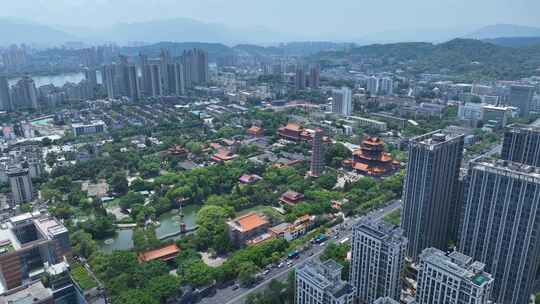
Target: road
230 296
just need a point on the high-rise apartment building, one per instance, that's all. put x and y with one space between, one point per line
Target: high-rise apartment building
452 278
315 76
20 183
317 154
24 94
522 144
195 63
320 283
342 101
521 96
372 85
501 225
431 204
5 99
386 86
91 77
300 78
377 259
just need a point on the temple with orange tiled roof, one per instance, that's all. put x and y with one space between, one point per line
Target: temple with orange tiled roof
246 227
371 160
255 131
164 254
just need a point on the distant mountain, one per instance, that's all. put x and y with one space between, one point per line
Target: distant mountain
305 48
435 35
185 29
515 41
14 31
504 30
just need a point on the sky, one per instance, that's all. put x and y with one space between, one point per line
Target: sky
340 18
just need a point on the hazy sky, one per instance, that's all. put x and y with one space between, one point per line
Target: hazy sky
339 17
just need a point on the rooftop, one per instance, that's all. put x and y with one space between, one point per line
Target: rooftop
507 168
163 253
35 292
457 264
248 222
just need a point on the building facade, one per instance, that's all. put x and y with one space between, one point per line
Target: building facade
431 205
377 259
522 144
320 283
521 96
452 278
20 183
342 101
501 225
317 154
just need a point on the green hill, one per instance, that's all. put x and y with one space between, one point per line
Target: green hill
468 59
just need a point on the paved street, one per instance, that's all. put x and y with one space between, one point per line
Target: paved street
230 296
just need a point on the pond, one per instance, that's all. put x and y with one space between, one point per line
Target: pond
169 223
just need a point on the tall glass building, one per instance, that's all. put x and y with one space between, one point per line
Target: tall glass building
431 205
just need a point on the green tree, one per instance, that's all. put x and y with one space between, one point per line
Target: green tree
164 287
136 296
198 274
119 183
246 273
131 199
212 232
82 244
144 239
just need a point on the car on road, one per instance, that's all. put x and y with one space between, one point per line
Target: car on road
235 287
267 271
280 265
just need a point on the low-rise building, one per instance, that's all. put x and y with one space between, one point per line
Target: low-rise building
164 254
291 197
91 128
246 227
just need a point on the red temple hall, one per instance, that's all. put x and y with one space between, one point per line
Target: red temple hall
371 160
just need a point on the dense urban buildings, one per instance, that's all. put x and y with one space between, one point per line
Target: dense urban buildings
521 144
501 223
377 260
320 283
452 278
431 204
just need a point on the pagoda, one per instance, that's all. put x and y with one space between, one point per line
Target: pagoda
371 159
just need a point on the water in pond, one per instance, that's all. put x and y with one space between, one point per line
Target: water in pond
169 223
